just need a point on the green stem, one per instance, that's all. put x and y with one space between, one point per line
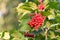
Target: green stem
46 35
34 39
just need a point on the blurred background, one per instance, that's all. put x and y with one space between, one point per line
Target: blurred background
8 14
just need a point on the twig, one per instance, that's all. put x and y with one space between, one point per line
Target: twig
46 34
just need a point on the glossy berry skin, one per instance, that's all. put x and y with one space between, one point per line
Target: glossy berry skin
41 6
36 21
26 34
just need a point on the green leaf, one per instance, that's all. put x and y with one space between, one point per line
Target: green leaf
24 23
36 1
18 36
48 24
53 5
46 13
53 25
57 19
26 8
25 27
58 38
25 18
52 35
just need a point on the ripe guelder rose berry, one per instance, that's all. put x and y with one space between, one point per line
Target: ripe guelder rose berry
36 21
41 6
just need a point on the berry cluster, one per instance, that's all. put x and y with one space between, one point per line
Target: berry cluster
26 34
41 7
36 21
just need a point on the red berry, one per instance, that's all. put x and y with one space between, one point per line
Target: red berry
36 21
26 34
30 14
41 7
